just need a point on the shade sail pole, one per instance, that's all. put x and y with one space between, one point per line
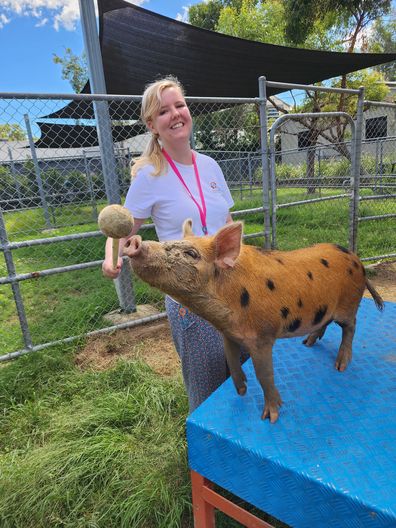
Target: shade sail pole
123 283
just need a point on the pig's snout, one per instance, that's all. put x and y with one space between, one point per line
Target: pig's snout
133 246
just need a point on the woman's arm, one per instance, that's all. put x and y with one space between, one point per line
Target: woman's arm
229 219
107 266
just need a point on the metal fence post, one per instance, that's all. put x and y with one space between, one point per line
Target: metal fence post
103 124
14 284
356 167
90 186
15 176
37 172
264 159
250 174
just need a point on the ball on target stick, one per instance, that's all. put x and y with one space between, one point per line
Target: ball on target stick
115 221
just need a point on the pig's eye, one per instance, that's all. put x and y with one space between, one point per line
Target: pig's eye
192 253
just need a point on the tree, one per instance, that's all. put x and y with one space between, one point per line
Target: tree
13 132
264 22
206 14
383 40
74 69
353 15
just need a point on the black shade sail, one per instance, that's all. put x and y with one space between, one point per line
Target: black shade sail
139 46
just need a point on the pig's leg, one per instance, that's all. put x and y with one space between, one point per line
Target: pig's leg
318 334
345 351
233 353
263 366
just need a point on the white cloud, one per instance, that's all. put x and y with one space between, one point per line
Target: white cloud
60 13
183 17
42 22
4 20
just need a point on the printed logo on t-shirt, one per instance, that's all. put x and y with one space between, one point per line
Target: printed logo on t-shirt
213 185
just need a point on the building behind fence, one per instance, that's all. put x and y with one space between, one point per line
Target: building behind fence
51 287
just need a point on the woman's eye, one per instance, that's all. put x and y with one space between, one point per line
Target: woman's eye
192 253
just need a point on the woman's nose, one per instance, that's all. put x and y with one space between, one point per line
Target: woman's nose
175 112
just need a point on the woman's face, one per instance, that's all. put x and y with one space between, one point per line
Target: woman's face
173 122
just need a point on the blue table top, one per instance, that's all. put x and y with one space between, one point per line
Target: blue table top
330 459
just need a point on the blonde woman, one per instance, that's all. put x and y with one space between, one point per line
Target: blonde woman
171 182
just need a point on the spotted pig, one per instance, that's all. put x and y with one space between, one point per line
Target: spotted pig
253 296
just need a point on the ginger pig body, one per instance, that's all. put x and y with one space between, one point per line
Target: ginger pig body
255 297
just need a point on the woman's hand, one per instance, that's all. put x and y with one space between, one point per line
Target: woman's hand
107 265
108 270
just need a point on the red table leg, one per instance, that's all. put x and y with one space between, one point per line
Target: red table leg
205 500
203 511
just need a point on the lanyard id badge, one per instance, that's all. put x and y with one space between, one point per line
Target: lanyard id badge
201 208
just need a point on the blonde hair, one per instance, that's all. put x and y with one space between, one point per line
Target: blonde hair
151 104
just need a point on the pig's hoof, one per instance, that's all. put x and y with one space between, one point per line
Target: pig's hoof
341 365
343 361
270 413
241 389
271 410
309 341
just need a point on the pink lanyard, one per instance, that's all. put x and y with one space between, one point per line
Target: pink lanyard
202 210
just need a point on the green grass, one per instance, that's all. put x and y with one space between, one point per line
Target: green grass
103 449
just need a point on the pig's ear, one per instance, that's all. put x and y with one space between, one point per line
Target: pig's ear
228 245
187 228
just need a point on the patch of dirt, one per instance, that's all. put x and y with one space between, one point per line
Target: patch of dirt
383 277
153 342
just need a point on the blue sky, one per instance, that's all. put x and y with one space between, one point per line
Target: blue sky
32 30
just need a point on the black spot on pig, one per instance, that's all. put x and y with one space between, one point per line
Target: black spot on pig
310 276
300 303
341 248
245 297
280 261
294 325
320 313
325 263
285 312
350 271
270 284
355 264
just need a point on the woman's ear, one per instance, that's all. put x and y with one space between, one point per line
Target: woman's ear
150 126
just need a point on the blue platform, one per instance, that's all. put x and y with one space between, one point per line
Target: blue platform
330 459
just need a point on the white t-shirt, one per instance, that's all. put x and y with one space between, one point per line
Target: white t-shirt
167 202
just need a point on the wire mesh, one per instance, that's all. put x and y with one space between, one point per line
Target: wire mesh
312 181
52 189
377 203
53 184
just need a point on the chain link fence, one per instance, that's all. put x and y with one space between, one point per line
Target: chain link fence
55 179
377 201
53 184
